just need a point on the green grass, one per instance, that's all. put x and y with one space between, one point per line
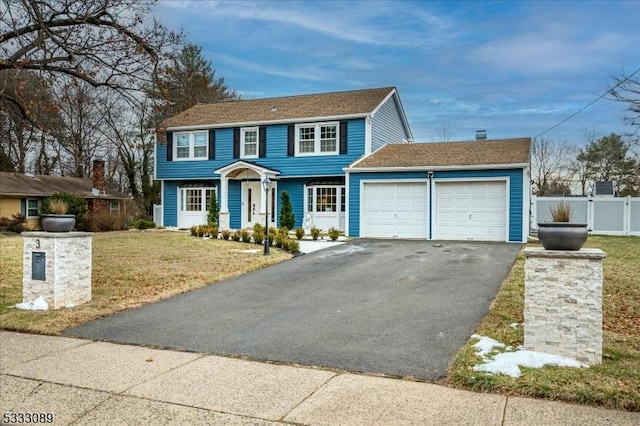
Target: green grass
613 384
130 268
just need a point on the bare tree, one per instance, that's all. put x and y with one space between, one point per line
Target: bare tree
627 89
105 43
549 168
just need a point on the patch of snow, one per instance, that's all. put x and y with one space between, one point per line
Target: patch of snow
509 362
514 325
247 251
37 305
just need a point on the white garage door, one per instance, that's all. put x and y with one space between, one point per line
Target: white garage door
471 211
395 210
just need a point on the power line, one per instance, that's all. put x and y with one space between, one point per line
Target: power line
588 105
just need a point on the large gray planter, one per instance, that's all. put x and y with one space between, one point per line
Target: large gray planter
57 222
562 235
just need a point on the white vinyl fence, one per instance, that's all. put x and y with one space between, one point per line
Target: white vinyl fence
603 215
157 215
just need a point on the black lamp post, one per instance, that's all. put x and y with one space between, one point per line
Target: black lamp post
266 184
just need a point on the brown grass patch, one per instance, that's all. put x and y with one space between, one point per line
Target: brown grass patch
130 268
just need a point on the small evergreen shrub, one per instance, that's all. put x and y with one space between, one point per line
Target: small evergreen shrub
235 236
143 224
333 233
315 233
245 236
226 234
258 228
211 231
272 235
105 222
16 224
293 246
299 233
287 218
213 215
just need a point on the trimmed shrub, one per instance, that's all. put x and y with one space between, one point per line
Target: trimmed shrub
258 228
333 233
258 237
235 236
299 233
226 234
213 215
315 233
293 246
105 222
272 235
245 236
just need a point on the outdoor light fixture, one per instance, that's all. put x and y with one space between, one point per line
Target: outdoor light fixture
266 184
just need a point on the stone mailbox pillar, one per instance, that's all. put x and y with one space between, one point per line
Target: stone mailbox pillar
57 266
563 303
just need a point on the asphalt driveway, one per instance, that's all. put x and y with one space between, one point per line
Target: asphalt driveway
399 308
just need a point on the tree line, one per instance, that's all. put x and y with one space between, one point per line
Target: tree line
86 80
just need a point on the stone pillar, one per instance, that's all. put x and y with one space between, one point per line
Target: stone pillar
57 266
563 303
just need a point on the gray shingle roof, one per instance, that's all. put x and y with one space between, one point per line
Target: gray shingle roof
445 154
23 185
300 107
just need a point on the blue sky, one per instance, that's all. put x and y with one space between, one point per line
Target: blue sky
514 68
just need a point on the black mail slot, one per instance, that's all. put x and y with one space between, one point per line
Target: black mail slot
38 265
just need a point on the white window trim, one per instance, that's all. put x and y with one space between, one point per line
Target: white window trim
203 197
243 131
111 209
191 146
37 208
340 189
316 134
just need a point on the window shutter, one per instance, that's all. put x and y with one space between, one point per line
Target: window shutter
169 146
236 142
343 137
291 140
23 207
262 138
212 144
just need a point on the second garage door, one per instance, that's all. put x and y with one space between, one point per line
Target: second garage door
471 211
395 210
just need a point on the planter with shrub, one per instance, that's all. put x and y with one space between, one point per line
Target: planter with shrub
561 234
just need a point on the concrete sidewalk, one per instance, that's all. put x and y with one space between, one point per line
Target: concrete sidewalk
96 383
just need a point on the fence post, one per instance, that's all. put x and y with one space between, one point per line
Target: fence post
533 213
590 214
626 216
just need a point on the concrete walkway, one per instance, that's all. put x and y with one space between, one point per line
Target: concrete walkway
96 383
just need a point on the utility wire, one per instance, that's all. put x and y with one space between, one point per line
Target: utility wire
588 105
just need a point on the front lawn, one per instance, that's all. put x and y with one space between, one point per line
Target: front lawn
130 268
614 384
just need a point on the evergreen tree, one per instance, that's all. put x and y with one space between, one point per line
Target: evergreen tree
213 217
286 218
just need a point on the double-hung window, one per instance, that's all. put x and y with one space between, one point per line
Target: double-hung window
249 142
317 139
191 146
32 208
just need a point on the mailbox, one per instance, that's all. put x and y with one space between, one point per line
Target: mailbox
38 267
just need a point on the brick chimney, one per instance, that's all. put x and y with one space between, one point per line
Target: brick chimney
98 175
99 204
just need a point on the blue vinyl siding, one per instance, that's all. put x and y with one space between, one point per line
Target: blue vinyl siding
387 125
354 193
295 188
276 157
515 193
235 204
170 203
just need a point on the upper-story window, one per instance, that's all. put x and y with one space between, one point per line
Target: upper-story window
191 146
249 142
317 139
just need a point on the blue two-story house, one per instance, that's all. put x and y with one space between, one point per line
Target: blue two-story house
301 143
347 161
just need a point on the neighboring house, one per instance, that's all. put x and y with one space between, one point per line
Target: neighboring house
23 193
347 161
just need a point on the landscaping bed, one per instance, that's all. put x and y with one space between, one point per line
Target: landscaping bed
614 384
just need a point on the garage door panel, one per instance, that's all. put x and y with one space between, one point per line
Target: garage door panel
471 210
395 210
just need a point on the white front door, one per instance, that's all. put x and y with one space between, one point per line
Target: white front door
252 204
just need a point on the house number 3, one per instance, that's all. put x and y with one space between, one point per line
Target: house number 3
37 244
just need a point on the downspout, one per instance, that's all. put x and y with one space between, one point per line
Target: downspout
430 176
